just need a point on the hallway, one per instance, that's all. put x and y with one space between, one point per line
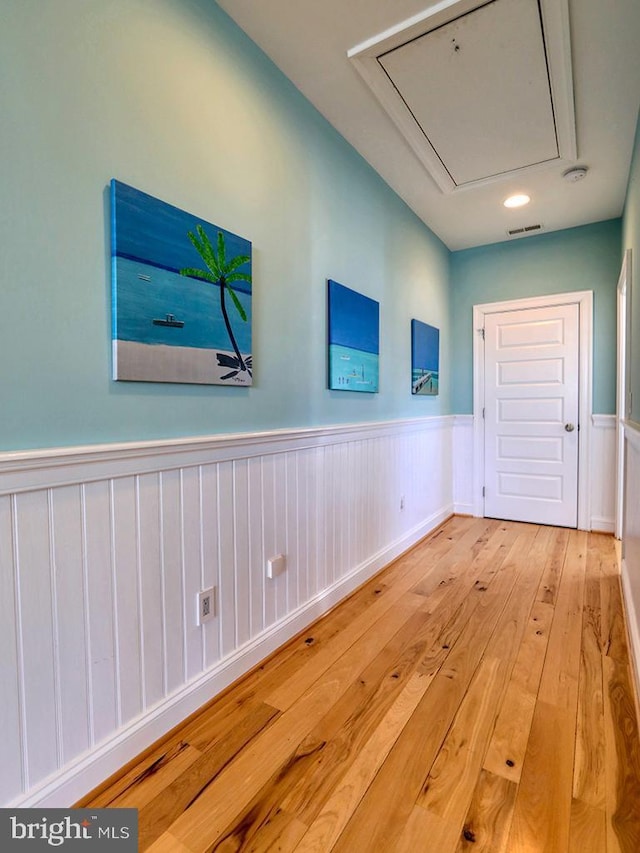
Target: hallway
475 695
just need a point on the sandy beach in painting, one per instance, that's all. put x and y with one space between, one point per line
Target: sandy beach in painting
169 326
145 363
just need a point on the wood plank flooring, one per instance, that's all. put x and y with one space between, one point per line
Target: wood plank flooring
475 696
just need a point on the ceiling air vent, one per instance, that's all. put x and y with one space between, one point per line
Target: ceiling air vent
526 229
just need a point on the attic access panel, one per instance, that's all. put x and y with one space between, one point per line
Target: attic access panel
480 89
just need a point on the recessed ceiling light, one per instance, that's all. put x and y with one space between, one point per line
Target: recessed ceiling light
516 200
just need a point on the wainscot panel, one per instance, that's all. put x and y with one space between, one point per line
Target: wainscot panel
603 473
104 550
631 544
463 464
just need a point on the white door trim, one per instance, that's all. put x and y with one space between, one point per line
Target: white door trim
584 299
622 383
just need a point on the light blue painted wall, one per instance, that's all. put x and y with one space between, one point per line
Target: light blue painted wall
631 240
171 97
583 258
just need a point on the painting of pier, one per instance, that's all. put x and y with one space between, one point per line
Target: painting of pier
425 359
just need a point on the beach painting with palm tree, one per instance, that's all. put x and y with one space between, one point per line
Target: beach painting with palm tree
354 339
425 359
181 295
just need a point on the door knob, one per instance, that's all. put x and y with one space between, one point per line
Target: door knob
569 427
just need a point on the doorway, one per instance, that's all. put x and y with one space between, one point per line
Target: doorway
532 409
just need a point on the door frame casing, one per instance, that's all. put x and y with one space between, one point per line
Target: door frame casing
584 300
622 382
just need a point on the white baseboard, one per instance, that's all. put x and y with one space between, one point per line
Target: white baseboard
90 770
603 525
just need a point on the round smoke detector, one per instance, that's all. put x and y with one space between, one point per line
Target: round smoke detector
575 174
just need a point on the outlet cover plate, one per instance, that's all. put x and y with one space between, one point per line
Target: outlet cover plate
206 605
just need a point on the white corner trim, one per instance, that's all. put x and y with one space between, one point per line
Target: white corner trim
68 786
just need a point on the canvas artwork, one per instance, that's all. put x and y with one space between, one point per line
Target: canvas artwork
181 295
425 358
354 339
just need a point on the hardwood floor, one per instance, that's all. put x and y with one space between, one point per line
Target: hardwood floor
475 696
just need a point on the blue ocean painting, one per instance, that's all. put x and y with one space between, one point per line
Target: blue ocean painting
181 295
425 358
354 340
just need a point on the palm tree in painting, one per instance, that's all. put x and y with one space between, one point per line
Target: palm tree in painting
222 272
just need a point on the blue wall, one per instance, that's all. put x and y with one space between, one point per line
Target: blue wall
631 240
584 258
172 98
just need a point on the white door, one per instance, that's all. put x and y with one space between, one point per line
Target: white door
531 415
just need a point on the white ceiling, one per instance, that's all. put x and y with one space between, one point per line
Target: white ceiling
309 41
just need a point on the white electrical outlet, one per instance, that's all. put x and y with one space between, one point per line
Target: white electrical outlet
276 566
206 605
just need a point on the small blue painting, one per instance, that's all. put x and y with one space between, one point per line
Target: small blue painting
181 295
354 340
425 359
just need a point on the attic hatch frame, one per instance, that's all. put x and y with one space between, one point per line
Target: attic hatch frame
554 15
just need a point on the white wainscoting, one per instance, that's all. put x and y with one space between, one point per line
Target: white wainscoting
631 544
602 454
104 549
602 461
463 464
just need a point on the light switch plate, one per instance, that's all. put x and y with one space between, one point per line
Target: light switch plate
276 566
